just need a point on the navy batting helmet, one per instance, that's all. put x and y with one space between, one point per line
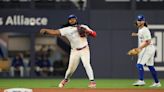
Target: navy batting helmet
72 16
140 18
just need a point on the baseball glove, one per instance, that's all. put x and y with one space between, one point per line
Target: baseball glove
43 32
82 31
134 52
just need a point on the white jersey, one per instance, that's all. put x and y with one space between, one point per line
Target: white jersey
71 33
146 56
143 35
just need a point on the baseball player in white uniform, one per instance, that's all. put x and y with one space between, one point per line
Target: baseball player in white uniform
147 52
79 48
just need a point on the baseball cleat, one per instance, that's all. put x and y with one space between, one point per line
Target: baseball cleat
62 83
92 84
139 83
156 85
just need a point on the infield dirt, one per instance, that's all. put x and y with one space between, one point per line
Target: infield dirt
92 90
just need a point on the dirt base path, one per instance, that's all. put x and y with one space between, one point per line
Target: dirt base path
92 90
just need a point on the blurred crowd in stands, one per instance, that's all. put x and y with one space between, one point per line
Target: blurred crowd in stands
48 62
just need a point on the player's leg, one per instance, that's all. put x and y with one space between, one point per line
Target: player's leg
150 65
21 68
154 75
12 70
140 81
140 71
142 59
73 63
85 57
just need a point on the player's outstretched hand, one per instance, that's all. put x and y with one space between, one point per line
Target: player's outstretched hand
134 34
43 31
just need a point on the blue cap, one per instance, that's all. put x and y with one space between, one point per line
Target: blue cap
72 16
140 18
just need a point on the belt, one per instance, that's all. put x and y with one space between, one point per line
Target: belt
81 48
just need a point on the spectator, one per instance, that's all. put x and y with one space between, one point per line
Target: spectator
3 47
29 68
43 67
41 52
17 65
49 51
1 53
58 64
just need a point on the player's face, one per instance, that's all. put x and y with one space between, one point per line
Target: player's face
72 21
140 23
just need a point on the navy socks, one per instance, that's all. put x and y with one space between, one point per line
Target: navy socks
153 73
140 71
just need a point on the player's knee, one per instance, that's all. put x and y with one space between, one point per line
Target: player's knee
70 70
151 68
139 66
86 65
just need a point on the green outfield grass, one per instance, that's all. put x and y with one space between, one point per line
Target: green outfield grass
74 83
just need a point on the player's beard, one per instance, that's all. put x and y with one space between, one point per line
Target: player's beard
73 24
140 26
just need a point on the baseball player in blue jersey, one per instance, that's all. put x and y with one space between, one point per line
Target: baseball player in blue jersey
147 52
